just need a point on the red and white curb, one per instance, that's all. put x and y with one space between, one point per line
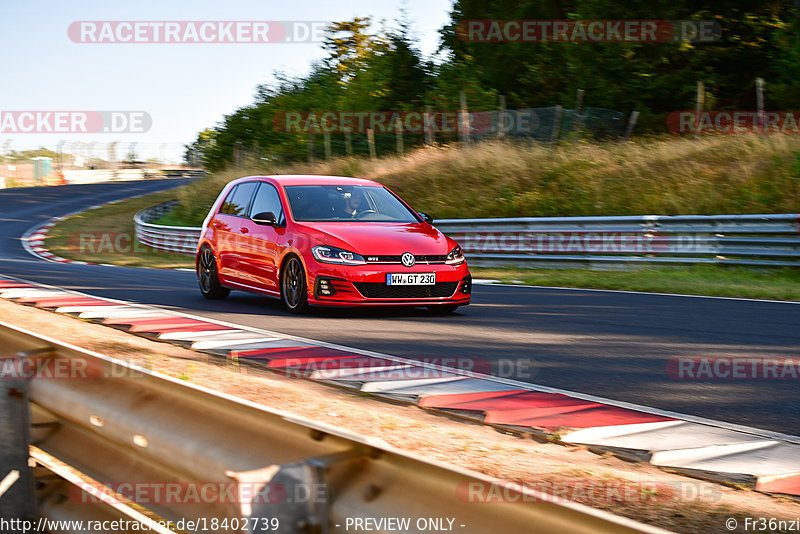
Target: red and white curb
763 460
33 239
33 243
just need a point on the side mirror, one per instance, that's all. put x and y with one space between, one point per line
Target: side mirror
265 217
425 217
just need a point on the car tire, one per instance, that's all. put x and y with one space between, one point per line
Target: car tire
294 290
442 309
207 277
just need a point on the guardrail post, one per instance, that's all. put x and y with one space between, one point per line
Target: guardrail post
293 497
631 125
556 125
17 500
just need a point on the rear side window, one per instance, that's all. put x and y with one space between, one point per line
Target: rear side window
238 200
267 199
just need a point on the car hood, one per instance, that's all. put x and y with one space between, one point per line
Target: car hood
379 238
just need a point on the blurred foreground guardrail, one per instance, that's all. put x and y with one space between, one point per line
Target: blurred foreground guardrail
594 242
110 441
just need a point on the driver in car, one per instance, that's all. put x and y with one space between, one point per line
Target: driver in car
352 203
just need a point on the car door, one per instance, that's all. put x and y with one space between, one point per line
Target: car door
263 241
230 225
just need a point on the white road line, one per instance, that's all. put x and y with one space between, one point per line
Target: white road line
491 283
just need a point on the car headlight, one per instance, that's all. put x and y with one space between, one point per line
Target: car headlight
325 254
456 256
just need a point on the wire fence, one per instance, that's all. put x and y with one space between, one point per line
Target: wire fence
548 124
322 135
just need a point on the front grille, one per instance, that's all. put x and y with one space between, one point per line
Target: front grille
372 290
422 258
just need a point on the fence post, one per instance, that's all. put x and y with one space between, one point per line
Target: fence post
398 132
311 145
501 122
326 139
760 103
131 152
237 154
556 125
348 144
698 109
631 125
59 155
428 128
463 123
371 143
577 122
112 158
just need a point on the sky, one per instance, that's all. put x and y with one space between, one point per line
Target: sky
183 87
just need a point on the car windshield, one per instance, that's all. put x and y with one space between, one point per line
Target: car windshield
324 203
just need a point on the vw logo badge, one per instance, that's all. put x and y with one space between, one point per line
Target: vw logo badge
408 259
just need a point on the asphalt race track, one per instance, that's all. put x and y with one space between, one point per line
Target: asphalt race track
614 345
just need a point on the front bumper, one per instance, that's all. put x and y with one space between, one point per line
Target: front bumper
365 285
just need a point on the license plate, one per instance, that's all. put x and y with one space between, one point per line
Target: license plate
410 279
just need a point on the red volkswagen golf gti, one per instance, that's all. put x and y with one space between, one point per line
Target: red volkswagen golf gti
327 241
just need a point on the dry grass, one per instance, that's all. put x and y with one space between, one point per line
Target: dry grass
669 176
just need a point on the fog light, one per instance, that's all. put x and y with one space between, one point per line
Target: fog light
325 287
466 285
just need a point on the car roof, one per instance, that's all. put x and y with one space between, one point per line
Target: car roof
311 179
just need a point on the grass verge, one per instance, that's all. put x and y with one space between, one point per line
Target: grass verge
722 281
106 235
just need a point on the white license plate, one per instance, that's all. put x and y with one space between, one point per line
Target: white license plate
410 279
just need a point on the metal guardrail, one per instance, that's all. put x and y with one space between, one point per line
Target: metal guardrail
765 240
122 424
179 239
91 176
759 240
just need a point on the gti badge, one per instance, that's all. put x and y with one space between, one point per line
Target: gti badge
408 259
